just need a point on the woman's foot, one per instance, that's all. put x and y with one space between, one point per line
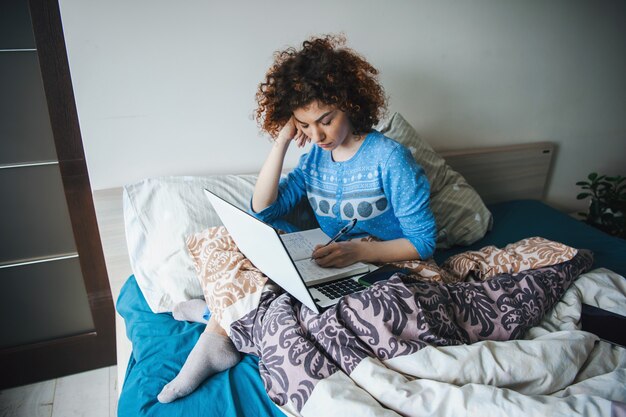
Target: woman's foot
192 310
212 353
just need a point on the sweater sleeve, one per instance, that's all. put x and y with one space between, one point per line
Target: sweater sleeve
407 189
291 189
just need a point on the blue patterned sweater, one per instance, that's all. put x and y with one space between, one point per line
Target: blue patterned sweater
381 186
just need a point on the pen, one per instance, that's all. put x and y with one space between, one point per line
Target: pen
342 232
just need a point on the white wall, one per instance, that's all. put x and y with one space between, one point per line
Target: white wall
167 88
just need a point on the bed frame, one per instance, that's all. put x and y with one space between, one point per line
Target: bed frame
497 173
505 173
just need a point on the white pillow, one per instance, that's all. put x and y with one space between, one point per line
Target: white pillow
159 214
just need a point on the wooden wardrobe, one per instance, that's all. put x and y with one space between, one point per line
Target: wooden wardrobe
56 311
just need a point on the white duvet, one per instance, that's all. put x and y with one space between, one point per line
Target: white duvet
557 370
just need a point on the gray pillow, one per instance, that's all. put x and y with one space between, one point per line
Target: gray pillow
460 213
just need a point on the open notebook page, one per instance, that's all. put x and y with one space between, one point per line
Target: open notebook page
300 245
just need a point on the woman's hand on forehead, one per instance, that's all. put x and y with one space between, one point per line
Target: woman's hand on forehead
290 131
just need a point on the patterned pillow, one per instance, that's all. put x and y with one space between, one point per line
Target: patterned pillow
460 213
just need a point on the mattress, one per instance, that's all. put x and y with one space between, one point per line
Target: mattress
161 344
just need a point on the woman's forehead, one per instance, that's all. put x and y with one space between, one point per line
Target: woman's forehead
313 111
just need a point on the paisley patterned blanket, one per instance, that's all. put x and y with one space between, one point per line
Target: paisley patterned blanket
347 355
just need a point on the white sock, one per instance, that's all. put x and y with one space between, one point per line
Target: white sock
212 353
191 310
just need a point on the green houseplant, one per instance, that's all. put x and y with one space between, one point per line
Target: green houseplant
607 207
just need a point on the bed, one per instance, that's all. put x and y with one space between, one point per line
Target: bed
511 181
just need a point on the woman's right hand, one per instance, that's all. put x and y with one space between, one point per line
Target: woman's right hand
290 131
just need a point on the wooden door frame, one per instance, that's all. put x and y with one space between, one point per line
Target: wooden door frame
26 364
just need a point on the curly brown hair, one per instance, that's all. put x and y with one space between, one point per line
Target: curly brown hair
325 71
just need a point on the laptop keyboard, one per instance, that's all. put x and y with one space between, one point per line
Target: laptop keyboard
338 289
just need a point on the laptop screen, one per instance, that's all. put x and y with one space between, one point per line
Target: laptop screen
261 244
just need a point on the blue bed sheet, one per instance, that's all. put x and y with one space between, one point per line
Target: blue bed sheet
160 347
161 344
516 220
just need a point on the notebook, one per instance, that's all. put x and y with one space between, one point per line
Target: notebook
300 246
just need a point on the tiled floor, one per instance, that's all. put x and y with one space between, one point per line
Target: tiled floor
89 394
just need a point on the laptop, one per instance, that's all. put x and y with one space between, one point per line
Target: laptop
263 246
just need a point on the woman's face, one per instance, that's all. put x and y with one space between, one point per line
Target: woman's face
326 126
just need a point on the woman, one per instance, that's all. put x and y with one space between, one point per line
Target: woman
329 96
